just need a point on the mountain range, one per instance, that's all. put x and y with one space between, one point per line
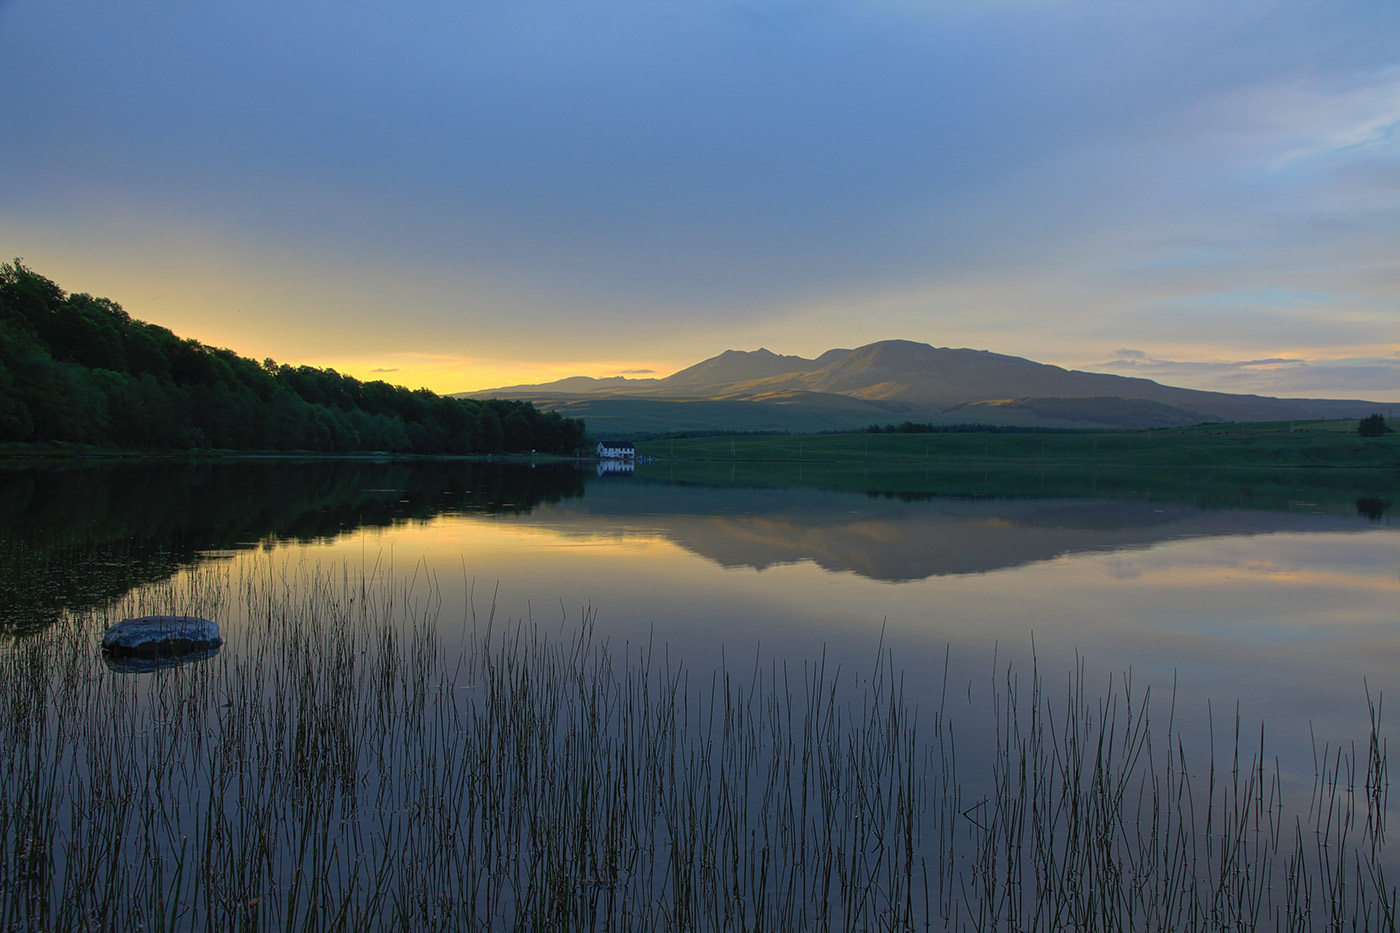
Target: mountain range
893 381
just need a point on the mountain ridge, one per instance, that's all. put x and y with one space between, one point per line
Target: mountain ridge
906 380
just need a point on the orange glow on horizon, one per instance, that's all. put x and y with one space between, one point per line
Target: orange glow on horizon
448 374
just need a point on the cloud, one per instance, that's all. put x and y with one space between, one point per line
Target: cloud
389 370
620 182
1376 378
637 372
1309 120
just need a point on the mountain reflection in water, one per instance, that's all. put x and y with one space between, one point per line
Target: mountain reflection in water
78 534
348 588
897 541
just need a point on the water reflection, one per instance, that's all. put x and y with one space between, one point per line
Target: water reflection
146 664
897 540
1228 598
76 535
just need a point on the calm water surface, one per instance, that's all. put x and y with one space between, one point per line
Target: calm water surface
1242 608
1285 616
1285 611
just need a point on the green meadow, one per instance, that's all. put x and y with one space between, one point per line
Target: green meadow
1322 466
1273 444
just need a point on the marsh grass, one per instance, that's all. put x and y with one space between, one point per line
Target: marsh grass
337 766
1097 821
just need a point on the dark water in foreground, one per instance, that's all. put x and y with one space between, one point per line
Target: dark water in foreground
1237 610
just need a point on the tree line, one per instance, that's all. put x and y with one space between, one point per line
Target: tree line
912 427
79 369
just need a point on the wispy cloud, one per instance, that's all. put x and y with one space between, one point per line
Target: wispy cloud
1312 119
1358 377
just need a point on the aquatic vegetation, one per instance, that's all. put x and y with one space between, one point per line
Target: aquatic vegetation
337 766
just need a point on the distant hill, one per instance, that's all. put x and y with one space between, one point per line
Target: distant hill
896 380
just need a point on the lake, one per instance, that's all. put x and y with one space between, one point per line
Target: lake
1254 617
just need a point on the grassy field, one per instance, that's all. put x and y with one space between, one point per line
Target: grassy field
1373 492
1323 466
1271 444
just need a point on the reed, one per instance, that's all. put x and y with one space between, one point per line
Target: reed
337 766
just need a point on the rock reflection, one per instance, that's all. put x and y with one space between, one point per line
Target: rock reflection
149 663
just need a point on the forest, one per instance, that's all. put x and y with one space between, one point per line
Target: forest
78 369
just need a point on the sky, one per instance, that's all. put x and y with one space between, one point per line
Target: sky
477 193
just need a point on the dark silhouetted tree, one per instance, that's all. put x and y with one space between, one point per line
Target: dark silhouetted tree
1372 426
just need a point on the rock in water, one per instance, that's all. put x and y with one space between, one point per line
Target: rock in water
166 636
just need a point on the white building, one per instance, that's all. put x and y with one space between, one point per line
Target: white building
616 450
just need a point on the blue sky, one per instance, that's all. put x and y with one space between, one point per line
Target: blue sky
470 194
